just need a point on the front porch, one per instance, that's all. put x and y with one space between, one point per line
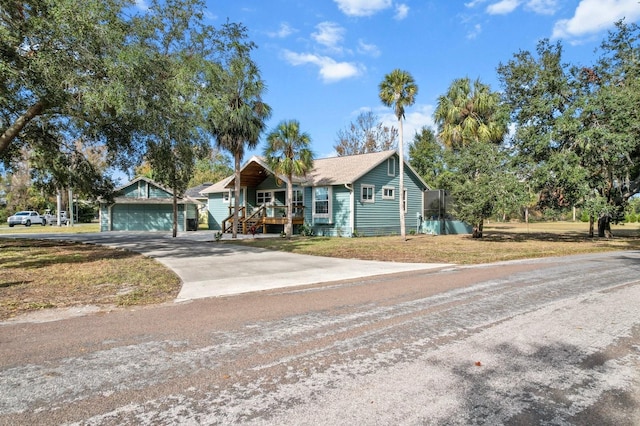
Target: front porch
260 218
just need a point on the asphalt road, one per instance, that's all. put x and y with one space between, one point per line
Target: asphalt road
553 341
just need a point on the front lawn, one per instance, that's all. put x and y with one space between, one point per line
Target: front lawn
42 274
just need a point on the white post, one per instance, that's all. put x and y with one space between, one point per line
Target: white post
58 206
70 212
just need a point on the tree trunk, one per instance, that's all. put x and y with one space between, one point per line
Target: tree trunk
591 220
477 229
236 197
288 229
12 131
403 231
604 227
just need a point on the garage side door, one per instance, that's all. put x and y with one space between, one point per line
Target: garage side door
141 217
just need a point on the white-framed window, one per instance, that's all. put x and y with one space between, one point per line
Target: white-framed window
388 192
263 197
391 166
404 200
226 197
367 193
322 201
298 202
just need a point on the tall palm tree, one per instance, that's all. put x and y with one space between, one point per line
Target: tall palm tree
468 116
469 113
238 114
288 154
399 90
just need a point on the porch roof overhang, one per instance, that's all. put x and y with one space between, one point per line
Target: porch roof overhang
252 174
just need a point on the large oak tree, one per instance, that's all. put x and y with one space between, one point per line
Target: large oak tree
577 131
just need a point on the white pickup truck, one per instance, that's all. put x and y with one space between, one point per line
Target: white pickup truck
26 218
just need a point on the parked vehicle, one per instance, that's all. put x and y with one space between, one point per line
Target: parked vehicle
63 217
52 218
26 218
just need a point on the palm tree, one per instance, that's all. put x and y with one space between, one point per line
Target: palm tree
288 154
399 90
238 114
467 117
469 114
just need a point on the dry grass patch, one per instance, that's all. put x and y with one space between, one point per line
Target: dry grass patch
501 242
39 274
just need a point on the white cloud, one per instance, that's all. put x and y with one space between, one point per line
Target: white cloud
329 34
402 11
362 7
368 49
503 7
543 7
475 32
474 3
142 4
330 70
284 31
593 16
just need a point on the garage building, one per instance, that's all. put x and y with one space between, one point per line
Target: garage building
145 205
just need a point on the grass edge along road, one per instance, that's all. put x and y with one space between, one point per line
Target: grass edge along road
37 274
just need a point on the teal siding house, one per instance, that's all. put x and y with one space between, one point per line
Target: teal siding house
341 196
144 205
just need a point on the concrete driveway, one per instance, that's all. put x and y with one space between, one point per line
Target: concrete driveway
209 269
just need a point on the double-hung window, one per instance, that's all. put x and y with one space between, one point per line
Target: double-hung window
391 166
404 200
367 193
388 193
322 202
298 202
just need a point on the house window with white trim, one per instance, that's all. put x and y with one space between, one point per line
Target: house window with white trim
391 166
298 203
322 201
226 197
404 200
263 197
367 193
388 192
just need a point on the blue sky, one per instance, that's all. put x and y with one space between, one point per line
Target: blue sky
322 60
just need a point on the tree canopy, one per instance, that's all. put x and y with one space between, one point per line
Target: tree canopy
366 134
577 134
154 83
426 156
468 113
472 125
236 112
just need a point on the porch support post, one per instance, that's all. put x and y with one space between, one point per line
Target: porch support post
352 203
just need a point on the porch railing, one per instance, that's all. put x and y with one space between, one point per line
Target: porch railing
261 217
229 219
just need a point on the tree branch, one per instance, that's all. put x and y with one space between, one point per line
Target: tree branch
12 131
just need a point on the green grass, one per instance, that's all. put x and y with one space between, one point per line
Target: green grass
77 228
